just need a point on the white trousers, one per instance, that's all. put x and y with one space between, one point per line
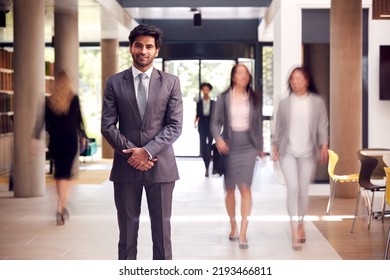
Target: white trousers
298 173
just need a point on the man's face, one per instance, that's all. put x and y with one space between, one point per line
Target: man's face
205 90
143 52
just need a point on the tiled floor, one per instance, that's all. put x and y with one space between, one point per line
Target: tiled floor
199 223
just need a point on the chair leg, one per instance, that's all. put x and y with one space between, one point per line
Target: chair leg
387 244
383 209
331 196
371 210
356 209
366 197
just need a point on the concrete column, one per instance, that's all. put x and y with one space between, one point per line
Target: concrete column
66 39
346 87
66 46
29 87
109 50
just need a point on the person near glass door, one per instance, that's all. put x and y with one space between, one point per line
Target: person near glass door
204 108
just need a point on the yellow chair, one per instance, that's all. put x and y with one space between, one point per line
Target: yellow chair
335 178
387 198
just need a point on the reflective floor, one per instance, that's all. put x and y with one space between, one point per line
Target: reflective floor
199 223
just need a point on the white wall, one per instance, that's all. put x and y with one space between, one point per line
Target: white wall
378 110
285 18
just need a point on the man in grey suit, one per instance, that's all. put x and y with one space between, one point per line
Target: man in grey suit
142 139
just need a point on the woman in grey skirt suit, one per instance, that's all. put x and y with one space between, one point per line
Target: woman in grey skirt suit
236 125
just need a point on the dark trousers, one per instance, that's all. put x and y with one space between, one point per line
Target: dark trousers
205 141
128 199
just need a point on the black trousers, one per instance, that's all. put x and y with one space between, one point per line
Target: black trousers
128 199
205 141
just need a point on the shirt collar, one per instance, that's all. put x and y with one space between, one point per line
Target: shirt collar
135 72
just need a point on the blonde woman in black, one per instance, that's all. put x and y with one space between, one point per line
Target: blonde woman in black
62 118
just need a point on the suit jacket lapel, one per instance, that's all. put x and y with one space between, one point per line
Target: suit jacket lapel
154 89
129 91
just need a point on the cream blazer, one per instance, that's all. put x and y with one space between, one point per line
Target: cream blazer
319 124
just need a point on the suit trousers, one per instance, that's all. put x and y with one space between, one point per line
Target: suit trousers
128 198
205 141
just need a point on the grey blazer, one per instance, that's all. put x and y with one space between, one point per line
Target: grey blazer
319 124
123 127
220 127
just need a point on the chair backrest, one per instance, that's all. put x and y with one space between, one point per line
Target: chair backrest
378 172
333 159
387 195
386 159
367 166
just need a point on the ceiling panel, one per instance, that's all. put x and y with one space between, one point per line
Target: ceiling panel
114 18
222 13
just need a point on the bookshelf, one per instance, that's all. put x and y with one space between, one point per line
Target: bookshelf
7 106
6 110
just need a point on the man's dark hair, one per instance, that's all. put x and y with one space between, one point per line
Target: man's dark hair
206 85
147 30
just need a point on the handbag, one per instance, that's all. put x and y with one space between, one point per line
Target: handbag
219 161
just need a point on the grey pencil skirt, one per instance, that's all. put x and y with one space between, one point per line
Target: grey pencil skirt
240 161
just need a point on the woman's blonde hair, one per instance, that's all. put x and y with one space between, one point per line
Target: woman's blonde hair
62 93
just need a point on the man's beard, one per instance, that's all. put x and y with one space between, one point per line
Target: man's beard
142 62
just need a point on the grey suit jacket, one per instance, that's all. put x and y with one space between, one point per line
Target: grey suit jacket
318 124
220 127
123 127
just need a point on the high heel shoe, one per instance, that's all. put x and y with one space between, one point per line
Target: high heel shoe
301 234
296 245
65 213
243 245
60 219
233 238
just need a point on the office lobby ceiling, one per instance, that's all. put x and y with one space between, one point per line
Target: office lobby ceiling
102 19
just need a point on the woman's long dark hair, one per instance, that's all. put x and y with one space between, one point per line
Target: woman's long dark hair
253 95
311 87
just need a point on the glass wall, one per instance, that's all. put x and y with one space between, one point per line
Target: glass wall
268 95
191 74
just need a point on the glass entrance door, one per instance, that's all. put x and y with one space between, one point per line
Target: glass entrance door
191 74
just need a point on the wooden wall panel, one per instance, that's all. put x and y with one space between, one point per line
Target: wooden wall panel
381 9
